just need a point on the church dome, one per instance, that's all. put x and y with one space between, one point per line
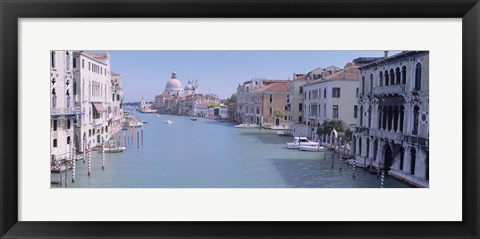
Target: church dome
173 85
189 86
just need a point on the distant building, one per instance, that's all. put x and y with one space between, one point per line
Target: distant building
393 118
265 101
245 101
182 101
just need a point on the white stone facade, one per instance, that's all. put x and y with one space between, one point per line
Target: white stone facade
393 122
99 97
63 112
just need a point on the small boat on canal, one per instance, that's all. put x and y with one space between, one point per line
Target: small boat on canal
246 126
193 119
317 148
168 122
300 141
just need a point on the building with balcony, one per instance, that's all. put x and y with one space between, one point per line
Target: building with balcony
392 132
332 96
99 95
63 111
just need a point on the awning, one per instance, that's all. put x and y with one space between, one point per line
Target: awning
98 107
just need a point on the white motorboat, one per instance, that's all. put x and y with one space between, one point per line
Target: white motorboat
114 149
168 122
245 126
300 141
136 124
317 148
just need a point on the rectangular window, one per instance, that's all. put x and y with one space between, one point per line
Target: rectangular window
300 119
300 107
335 92
55 143
83 64
357 92
68 124
74 62
301 89
285 117
54 125
89 66
355 110
271 98
68 140
286 107
335 111
270 111
325 93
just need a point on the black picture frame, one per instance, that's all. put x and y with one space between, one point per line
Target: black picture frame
11 11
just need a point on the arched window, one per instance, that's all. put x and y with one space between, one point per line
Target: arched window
53 59
404 75
397 75
360 146
371 83
392 77
413 160
54 98
386 78
369 116
415 120
418 76
67 60
363 85
368 147
361 116
380 79
402 115
402 155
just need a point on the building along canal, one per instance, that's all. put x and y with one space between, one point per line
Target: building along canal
211 154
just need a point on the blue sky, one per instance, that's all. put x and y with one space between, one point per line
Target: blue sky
145 73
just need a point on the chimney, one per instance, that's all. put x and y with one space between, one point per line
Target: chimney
386 54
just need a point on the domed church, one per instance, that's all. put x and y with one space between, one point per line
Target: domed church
174 86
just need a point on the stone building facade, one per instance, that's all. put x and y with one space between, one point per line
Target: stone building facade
63 111
393 123
99 95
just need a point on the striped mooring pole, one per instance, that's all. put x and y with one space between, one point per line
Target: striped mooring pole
103 156
341 161
89 161
142 136
73 164
84 151
325 154
382 178
354 164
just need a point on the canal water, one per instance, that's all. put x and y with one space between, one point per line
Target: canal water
212 154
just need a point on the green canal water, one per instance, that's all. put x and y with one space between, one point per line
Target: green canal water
211 154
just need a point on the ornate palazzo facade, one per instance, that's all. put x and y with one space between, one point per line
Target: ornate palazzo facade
393 123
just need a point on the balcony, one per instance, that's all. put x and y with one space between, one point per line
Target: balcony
389 90
98 122
73 111
386 134
417 140
361 129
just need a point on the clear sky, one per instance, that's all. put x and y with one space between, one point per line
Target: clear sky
145 73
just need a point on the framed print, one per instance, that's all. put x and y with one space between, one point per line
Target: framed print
239 119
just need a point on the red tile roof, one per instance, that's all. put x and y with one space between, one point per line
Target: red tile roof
274 87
